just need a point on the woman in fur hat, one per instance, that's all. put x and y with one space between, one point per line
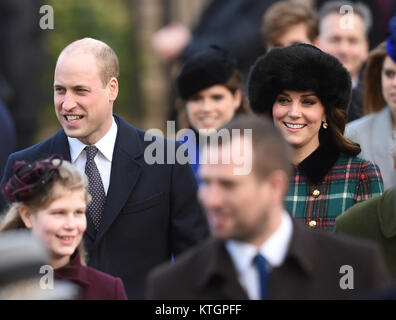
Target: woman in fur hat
210 88
306 92
376 132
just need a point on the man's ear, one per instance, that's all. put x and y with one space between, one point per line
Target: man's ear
113 89
279 182
26 216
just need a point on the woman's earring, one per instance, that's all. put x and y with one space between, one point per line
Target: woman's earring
325 125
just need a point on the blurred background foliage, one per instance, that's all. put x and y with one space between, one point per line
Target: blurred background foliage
110 21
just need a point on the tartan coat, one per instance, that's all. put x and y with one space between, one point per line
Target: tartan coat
327 183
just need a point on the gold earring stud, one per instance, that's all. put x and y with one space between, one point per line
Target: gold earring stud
325 125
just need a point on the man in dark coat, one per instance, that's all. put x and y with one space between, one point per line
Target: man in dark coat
141 214
258 251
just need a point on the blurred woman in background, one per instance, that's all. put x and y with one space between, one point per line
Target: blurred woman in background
376 132
210 88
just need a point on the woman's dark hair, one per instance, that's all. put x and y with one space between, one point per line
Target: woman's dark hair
373 99
336 118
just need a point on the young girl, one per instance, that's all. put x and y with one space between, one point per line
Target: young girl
50 197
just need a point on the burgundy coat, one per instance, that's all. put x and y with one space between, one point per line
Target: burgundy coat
94 284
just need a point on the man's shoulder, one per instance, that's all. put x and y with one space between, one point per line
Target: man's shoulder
361 210
189 262
40 150
370 216
341 244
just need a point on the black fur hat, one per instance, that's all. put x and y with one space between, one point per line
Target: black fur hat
204 69
300 67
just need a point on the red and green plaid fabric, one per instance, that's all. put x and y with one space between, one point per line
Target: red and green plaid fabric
350 180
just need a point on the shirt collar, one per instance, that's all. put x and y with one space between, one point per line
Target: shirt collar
105 145
274 249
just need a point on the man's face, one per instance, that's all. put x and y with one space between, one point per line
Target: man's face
83 105
238 206
345 39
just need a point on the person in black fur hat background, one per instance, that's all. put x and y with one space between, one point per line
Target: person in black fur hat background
306 92
210 88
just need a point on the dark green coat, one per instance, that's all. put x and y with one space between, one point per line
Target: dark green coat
374 219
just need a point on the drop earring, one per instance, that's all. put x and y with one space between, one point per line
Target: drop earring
325 125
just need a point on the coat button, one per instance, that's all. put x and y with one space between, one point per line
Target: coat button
312 223
316 193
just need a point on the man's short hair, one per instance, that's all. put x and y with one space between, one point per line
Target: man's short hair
106 57
358 8
270 150
284 15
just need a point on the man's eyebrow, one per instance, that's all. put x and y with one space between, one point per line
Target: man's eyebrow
78 86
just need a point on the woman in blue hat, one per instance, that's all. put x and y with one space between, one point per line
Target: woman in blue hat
376 132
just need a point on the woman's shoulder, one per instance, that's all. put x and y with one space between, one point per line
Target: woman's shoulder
365 120
356 162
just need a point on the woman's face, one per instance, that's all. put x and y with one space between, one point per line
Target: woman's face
388 78
212 107
299 116
61 224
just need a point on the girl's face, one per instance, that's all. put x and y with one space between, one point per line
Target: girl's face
388 78
60 225
299 116
212 107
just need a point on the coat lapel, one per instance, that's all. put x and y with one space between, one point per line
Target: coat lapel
125 171
60 145
218 273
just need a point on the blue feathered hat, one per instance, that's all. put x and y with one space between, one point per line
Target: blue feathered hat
391 39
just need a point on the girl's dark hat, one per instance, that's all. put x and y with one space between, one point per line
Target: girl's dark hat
204 69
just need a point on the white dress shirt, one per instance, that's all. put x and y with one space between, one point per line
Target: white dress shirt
103 158
274 251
